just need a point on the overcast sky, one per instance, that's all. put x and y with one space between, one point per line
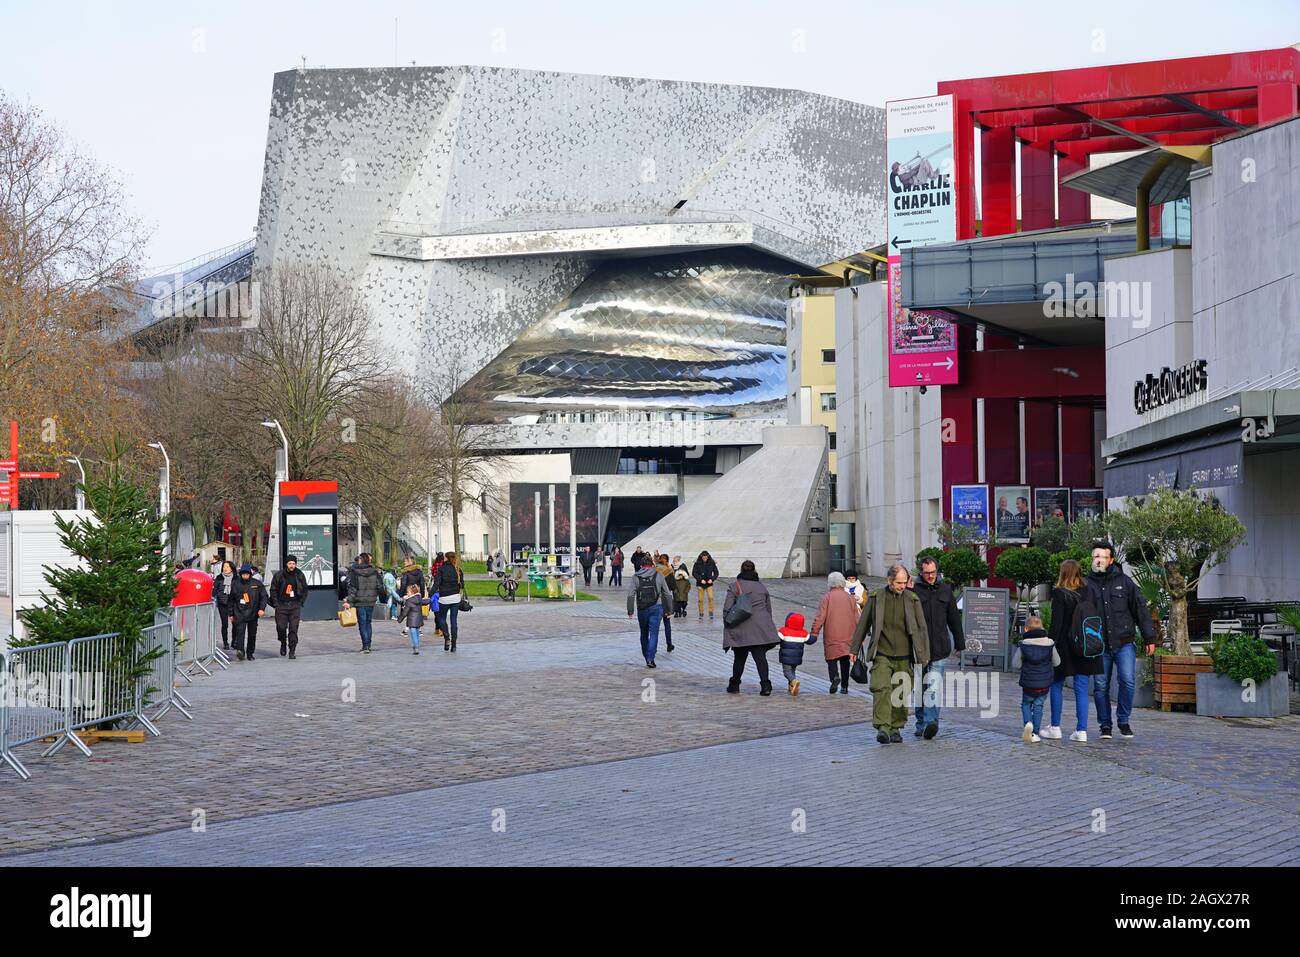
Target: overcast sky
175 95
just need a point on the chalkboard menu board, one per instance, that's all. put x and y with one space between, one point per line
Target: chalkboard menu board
985 619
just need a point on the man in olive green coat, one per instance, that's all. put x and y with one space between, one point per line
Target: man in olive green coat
899 640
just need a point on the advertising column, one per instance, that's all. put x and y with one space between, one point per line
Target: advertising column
921 210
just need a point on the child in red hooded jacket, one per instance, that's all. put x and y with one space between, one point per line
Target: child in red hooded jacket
793 639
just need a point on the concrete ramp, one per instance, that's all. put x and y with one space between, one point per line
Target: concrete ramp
772 509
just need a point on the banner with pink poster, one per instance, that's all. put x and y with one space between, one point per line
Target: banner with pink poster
921 210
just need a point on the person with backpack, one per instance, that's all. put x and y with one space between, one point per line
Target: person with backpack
365 589
752 634
247 605
647 597
1122 614
1075 666
287 593
705 573
1036 657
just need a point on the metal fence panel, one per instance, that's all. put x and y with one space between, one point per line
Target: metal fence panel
37 696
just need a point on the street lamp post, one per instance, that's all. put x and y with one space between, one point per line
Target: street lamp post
164 492
281 475
81 487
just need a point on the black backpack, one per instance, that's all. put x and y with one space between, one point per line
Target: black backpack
647 592
1087 636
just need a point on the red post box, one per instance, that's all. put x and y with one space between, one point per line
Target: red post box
193 587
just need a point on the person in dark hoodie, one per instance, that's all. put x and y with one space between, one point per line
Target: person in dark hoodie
942 617
287 593
1037 658
647 597
223 584
705 573
1124 614
247 605
365 588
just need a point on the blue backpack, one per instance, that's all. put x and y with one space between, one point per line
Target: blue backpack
1087 635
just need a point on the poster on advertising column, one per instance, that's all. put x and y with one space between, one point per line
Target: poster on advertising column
970 507
921 210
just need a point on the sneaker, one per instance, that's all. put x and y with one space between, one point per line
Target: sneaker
1034 739
415 651
1028 733
895 738
650 664
1105 733
931 730
366 649
1125 733
1079 736
883 737
1052 731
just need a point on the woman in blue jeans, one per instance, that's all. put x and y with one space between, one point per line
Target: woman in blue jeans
1066 595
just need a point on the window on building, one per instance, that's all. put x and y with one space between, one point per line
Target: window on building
832 441
828 401
828 356
485 545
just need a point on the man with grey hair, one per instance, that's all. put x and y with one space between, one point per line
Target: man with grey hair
899 640
941 618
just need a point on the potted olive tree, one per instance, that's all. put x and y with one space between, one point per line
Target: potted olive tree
1245 683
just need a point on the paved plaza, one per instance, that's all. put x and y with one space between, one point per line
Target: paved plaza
540 742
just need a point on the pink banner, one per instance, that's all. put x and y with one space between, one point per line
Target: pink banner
922 343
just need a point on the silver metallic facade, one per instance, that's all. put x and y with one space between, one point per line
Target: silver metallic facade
578 241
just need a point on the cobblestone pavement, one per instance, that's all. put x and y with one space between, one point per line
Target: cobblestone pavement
541 712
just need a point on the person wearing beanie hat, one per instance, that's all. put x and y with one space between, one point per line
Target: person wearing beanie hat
793 640
247 605
287 593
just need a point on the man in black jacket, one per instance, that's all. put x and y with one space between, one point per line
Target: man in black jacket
247 605
941 618
287 593
1124 614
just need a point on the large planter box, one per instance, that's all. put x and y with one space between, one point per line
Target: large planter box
1175 678
1144 693
1218 696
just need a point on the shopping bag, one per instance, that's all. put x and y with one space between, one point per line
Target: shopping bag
348 617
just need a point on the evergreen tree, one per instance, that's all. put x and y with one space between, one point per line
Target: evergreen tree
120 579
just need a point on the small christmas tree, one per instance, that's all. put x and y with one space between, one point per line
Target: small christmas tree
120 579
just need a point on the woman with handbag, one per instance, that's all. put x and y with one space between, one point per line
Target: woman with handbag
450 585
838 616
748 629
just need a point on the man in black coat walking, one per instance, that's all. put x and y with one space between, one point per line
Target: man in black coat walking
247 605
287 593
943 622
1124 614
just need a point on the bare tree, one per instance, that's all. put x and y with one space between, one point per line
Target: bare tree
69 249
470 444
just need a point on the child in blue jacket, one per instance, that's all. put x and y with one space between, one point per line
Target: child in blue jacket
793 639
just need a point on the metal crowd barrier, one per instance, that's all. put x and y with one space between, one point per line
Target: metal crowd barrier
158 688
33 707
51 691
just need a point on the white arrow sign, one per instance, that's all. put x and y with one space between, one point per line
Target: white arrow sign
946 363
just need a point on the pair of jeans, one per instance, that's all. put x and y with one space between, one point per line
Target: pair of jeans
842 665
415 637
927 705
365 617
586 575
615 577
1123 663
789 672
759 654
649 619
1031 708
1080 683
700 592
446 618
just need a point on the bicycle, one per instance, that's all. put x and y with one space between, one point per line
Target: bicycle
507 587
